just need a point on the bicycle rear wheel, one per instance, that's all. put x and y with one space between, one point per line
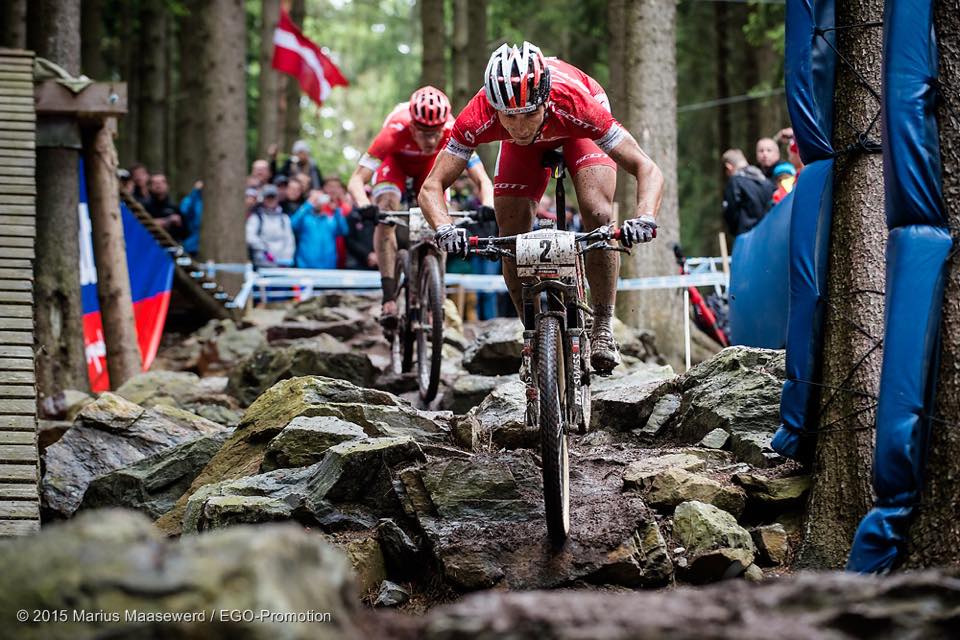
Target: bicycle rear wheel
430 332
553 438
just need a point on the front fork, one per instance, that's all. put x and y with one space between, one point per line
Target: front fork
532 391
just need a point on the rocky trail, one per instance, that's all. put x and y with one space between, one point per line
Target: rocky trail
284 469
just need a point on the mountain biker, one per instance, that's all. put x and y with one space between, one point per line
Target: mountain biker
536 104
411 137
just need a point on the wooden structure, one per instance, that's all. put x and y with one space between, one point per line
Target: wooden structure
19 473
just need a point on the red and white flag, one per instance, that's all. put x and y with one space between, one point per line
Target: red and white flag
293 53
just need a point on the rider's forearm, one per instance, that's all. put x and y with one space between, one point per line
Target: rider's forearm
356 188
650 184
432 203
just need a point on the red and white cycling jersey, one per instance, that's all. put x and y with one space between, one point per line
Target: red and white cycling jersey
577 108
396 139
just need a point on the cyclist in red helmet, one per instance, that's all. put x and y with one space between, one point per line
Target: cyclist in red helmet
412 136
536 104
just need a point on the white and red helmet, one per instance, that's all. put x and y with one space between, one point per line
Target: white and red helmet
517 79
429 107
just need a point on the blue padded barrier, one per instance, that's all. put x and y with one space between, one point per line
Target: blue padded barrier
917 250
760 281
809 246
809 72
916 256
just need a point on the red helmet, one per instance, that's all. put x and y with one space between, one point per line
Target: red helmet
429 107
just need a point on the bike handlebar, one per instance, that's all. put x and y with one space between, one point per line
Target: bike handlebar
498 246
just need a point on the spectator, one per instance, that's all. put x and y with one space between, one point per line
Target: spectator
126 182
305 183
260 171
299 162
317 231
191 209
342 203
270 238
250 198
748 193
785 176
359 241
295 197
141 179
281 182
785 136
768 155
161 208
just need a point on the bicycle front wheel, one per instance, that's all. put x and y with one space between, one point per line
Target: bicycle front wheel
553 438
402 347
430 333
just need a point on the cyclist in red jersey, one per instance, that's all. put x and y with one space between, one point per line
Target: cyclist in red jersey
536 104
412 136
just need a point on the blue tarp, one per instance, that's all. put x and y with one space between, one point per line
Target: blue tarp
810 69
760 282
917 250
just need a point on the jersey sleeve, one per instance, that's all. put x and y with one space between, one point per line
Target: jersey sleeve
467 128
381 147
585 116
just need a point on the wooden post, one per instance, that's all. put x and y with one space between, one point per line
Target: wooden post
109 248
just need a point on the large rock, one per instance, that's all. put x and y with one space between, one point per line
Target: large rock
808 606
640 473
667 489
483 518
183 390
772 543
331 305
366 558
154 484
304 441
114 569
64 405
497 348
718 547
242 454
469 390
343 323
774 493
110 434
224 345
625 403
321 356
500 419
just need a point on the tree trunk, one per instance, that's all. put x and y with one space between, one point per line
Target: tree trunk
617 93
109 248
54 33
170 78
935 537
479 52
190 151
852 351
460 54
722 28
129 72
650 92
224 132
153 63
291 110
433 70
268 115
92 40
14 21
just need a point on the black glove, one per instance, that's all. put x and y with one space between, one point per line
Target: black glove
452 239
637 230
369 212
485 214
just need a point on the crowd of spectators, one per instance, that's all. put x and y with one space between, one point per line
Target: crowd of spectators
752 190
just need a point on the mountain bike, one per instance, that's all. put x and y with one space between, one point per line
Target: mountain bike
556 343
419 271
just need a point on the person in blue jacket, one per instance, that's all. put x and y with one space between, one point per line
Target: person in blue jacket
317 227
191 210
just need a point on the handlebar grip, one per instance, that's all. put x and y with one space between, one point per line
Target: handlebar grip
370 213
473 241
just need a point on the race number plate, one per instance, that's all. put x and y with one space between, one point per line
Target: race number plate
547 253
420 231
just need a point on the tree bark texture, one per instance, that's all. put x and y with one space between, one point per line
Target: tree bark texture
54 33
479 51
616 92
433 70
935 536
291 109
109 248
190 156
153 63
852 350
129 72
224 133
268 114
650 96
14 21
460 55
92 40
